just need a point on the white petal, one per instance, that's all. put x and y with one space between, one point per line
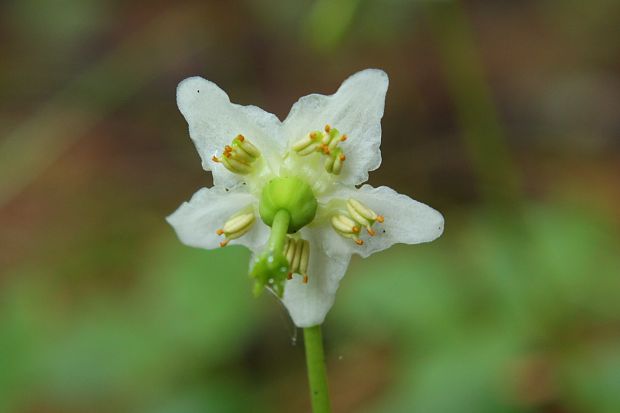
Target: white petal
197 221
308 304
406 221
356 110
214 122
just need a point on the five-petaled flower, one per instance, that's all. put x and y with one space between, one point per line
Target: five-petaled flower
287 190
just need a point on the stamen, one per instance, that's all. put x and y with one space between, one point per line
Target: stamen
297 256
359 215
239 156
297 252
325 143
236 226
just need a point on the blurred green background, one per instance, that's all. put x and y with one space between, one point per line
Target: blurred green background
503 115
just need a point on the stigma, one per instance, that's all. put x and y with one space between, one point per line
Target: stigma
325 143
297 252
357 216
236 226
239 156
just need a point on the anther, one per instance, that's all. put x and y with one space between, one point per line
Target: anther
359 215
241 138
297 252
327 128
342 157
343 138
236 226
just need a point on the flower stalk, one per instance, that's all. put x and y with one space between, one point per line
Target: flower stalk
317 374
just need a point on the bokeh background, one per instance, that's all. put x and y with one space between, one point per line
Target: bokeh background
504 115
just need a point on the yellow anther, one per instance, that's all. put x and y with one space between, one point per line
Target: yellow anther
325 143
337 165
239 156
380 219
236 226
297 252
305 279
234 165
329 164
355 206
358 215
305 258
239 223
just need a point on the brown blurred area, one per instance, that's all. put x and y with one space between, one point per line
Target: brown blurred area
501 115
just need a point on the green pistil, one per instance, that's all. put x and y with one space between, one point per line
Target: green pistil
271 266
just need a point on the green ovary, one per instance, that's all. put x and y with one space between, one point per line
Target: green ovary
292 195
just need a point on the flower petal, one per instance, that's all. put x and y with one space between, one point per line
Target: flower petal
214 122
406 221
197 221
356 110
309 303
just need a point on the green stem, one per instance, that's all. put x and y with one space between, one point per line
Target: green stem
279 229
317 375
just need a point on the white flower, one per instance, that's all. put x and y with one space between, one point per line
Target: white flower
247 148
